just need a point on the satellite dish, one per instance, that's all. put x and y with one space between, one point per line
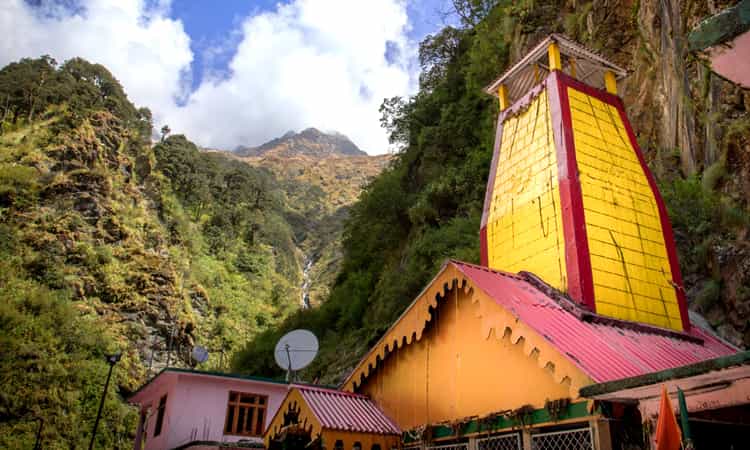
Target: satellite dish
200 354
296 350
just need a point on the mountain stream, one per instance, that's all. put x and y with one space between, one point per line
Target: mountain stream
305 298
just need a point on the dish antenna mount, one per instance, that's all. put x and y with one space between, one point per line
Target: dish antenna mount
295 351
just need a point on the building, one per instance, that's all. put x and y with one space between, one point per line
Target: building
560 339
314 417
579 284
190 409
717 394
723 41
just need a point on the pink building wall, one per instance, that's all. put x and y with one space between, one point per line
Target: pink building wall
196 407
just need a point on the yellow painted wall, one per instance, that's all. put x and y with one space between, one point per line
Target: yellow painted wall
386 442
460 368
524 227
631 270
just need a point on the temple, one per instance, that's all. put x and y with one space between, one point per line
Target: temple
570 197
566 333
576 317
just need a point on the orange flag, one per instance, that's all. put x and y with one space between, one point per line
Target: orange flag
668 436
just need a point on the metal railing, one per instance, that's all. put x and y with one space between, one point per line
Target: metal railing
510 441
458 446
577 439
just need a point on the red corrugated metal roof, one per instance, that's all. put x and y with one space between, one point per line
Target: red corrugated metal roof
345 411
604 350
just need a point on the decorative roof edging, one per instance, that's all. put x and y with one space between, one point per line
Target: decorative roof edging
412 323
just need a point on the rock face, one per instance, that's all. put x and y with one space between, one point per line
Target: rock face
309 142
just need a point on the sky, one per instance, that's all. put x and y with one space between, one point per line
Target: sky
229 72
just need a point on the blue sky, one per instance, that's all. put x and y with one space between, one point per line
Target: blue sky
228 72
210 24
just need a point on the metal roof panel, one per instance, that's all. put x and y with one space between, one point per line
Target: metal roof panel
345 411
605 351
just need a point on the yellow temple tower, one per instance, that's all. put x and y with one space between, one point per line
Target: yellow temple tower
570 197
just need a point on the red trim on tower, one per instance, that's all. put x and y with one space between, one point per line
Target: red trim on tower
577 257
666 225
600 94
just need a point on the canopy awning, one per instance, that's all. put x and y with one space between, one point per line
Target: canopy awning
577 61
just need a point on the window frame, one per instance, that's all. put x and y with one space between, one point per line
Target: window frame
161 411
249 411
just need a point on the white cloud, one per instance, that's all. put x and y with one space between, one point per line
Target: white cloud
318 63
144 49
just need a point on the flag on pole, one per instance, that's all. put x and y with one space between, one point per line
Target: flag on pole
684 420
668 435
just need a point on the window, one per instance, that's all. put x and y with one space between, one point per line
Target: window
160 415
339 445
245 414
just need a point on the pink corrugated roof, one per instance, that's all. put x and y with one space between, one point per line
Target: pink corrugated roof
344 411
605 350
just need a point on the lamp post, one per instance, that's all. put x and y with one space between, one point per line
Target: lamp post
38 442
111 360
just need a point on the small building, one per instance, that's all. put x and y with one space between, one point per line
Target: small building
191 409
717 397
316 418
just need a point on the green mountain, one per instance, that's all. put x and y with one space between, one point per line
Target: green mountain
426 206
321 175
111 244
108 243
310 142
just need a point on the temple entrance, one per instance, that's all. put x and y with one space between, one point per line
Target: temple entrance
293 437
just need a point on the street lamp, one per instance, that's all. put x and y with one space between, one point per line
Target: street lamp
111 360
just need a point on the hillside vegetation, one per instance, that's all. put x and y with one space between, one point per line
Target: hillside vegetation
109 244
691 125
321 176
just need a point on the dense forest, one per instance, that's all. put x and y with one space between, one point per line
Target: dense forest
111 244
693 127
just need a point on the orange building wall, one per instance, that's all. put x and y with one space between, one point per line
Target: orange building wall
629 262
524 229
457 369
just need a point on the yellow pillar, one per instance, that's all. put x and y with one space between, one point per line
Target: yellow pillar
610 82
502 95
553 51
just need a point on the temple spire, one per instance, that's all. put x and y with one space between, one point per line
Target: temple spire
570 197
